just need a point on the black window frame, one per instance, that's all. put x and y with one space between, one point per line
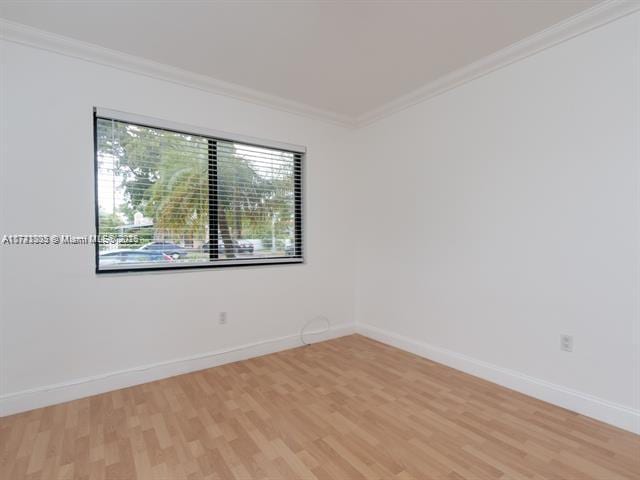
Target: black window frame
298 256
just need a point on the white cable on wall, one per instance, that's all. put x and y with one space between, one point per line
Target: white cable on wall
304 332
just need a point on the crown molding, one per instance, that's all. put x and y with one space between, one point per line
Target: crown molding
33 37
597 16
590 19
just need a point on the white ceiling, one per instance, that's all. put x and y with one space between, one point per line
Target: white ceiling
347 57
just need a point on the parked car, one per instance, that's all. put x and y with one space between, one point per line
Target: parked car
206 248
241 246
112 257
171 249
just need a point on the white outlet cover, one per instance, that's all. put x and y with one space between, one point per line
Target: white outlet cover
566 343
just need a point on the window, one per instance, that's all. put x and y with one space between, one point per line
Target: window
167 198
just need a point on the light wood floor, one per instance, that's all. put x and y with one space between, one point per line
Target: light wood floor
349 408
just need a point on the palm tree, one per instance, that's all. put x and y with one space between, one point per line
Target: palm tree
165 175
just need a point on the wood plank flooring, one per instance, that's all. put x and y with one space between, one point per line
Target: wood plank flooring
348 408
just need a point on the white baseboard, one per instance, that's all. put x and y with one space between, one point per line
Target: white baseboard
609 412
83 387
585 404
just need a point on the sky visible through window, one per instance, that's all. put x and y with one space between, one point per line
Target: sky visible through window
155 184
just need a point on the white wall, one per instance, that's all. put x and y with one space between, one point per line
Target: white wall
488 221
60 322
504 213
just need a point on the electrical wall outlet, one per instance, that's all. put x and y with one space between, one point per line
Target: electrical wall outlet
566 343
222 320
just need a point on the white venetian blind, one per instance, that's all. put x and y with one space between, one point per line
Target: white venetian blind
167 198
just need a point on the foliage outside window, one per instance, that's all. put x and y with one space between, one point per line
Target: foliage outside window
172 199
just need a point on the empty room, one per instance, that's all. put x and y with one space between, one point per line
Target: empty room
320 240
